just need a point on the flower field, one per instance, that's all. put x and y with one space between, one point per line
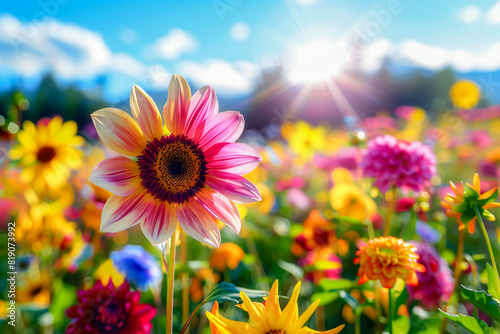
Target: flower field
180 220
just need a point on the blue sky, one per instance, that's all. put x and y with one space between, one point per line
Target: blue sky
235 38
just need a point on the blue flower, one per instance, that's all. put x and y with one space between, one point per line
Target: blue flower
428 233
138 266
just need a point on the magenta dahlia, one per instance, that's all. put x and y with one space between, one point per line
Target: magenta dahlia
436 283
106 309
393 162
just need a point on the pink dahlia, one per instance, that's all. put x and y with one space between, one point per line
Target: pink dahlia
188 170
313 257
436 283
400 163
106 309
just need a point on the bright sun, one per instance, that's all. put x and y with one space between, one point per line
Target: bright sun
317 61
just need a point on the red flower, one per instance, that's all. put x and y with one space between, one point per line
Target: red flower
106 309
404 204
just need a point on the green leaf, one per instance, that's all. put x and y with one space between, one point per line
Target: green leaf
224 292
326 297
322 265
229 292
430 325
482 301
492 276
401 325
409 232
348 219
470 194
63 299
292 268
336 284
476 326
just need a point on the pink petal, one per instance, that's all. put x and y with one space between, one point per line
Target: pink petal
234 158
146 113
119 132
234 187
160 224
198 223
120 213
222 127
119 175
221 208
175 110
202 106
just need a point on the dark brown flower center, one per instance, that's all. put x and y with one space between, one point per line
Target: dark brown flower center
36 290
46 154
323 236
173 168
276 331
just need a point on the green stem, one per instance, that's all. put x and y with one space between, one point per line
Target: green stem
357 324
371 230
488 243
380 319
188 322
458 272
390 210
184 279
391 329
170 285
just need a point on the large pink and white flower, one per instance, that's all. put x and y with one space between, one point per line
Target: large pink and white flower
189 170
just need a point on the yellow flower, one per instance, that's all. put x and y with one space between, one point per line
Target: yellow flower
387 259
48 152
349 200
258 177
92 210
228 255
462 202
35 289
465 94
304 139
268 318
106 272
416 126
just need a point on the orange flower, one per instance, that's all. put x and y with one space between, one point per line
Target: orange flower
386 259
203 276
228 255
318 233
462 203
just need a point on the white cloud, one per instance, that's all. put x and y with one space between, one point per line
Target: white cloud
240 31
494 14
70 52
469 14
226 78
412 53
176 43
